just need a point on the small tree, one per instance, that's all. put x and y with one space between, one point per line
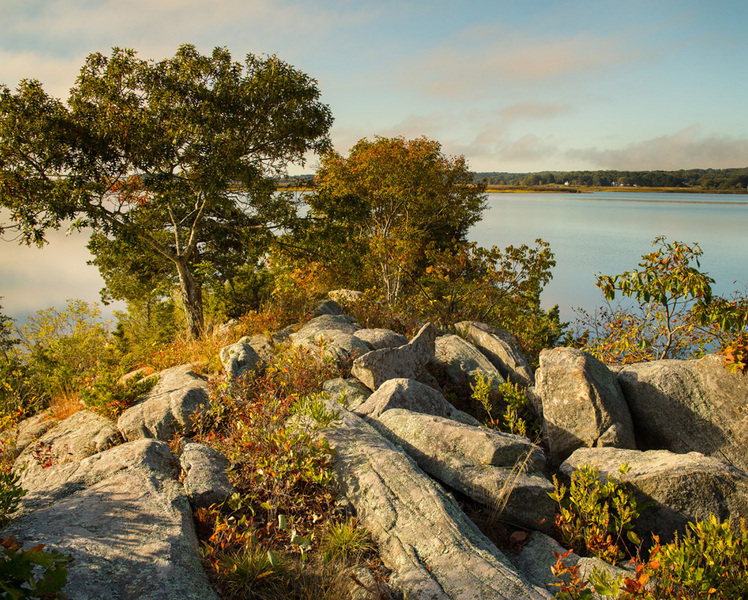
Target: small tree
170 156
677 317
391 198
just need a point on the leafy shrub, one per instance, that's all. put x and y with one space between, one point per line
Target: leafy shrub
677 315
62 347
709 563
110 396
517 417
19 571
10 495
596 514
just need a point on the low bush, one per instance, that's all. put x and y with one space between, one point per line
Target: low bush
597 515
109 395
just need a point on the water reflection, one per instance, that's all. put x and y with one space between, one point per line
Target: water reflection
607 232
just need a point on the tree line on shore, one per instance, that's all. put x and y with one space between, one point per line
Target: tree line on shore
688 179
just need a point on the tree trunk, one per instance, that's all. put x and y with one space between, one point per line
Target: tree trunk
192 300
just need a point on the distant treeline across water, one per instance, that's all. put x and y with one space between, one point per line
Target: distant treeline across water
708 179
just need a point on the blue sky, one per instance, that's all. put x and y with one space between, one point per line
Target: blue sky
524 85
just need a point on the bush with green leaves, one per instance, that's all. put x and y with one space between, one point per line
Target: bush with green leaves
62 347
109 395
676 316
709 563
596 515
517 416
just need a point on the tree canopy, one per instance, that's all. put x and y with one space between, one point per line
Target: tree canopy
394 197
172 157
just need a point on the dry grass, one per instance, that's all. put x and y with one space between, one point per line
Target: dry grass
64 405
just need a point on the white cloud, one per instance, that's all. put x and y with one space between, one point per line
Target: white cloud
688 148
481 61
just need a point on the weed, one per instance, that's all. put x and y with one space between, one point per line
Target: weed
253 573
111 396
708 563
596 514
346 542
517 417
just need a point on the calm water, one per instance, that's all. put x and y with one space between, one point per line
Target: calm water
607 232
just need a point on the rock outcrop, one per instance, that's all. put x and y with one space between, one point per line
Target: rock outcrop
499 470
435 552
82 434
123 517
240 358
583 405
350 392
500 348
412 395
168 408
689 405
408 361
462 363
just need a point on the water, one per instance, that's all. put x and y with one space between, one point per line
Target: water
607 233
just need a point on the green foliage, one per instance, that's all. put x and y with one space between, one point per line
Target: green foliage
708 563
517 416
109 395
490 286
677 317
29 573
596 514
733 180
346 542
254 574
385 203
667 286
267 425
172 162
62 347
10 495
7 341
20 571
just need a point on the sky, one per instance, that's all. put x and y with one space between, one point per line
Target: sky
515 86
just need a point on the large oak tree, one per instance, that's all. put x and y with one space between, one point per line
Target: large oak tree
168 157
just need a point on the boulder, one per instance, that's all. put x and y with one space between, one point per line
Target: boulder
474 444
80 435
327 307
500 348
316 325
240 358
351 393
412 395
495 469
168 408
124 519
343 295
33 428
408 361
206 481
678 487
689 405
381 338
461 363
583 405
332 336
434 551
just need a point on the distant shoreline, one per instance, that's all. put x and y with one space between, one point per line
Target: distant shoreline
570 189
